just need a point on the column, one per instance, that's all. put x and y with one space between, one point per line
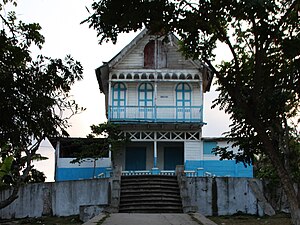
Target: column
155 170
155 154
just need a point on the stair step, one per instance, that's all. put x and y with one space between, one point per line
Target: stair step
150 194
157 190
151 209
149 200
137 186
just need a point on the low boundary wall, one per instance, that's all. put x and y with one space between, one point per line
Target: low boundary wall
59 198
211 196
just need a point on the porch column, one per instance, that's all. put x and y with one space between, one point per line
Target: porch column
155 154
155 101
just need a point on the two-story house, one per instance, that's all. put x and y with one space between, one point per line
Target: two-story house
156 96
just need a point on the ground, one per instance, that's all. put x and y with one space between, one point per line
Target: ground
280 219
70 220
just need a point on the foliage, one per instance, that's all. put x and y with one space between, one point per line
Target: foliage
33 97
259 87
96 148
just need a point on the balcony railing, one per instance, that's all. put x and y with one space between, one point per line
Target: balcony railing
155 114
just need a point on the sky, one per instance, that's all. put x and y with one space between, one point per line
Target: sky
60 22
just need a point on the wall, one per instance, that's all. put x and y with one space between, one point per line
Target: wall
223 196
66 170
60 198
212 196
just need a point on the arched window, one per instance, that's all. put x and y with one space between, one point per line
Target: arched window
183 100
146 94
145 99
118 100
149 55
155 55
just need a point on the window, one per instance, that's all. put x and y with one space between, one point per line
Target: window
183 101
145 95
145 100
149 55
155 54
118 100
183 95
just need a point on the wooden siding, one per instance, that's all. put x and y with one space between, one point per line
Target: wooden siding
165 94
135 57
192 150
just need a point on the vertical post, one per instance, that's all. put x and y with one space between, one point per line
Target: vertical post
109 110
155 170
155 100
155 154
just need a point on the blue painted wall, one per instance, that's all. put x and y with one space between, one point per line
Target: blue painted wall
208 147
63 174
220 168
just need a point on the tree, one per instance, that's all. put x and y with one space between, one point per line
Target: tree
259 87
34 93
93 148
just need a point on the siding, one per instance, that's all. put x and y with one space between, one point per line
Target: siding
135 57
192 150
165 94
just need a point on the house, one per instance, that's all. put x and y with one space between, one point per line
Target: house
67 150
155 95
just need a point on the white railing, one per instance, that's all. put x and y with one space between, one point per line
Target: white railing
156 113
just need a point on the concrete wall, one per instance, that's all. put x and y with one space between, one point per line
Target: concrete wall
60 198
223 196
212 196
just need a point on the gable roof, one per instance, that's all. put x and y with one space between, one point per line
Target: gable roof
102 72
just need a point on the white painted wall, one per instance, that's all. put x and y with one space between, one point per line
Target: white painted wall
88 163
193 150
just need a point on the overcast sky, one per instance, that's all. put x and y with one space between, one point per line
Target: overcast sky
60 21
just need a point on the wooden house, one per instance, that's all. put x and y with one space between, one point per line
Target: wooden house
156 97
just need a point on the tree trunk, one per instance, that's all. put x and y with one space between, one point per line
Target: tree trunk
13 196
285 179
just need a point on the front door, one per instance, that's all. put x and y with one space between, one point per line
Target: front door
135 158
173 156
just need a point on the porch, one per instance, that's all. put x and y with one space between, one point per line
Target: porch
155 113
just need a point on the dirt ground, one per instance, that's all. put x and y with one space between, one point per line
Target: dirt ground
280 219
70 220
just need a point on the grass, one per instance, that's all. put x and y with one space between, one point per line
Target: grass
279 219
69 220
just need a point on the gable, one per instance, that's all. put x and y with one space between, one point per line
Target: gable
153 52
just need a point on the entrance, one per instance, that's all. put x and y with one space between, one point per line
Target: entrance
135 158
173 156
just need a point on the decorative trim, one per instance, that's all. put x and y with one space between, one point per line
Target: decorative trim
163 136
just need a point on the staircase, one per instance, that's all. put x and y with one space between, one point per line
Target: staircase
150 194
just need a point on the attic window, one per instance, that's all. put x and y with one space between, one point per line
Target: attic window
149 60
155 55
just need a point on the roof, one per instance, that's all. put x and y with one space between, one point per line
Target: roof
102 72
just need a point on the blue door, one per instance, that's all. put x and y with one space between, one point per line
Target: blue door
135 158
173 156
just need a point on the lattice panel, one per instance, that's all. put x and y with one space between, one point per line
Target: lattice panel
162 136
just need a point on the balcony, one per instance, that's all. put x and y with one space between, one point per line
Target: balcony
156 114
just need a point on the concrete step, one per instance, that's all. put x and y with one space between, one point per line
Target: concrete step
139 200
138 191
151 187
151 209
150 194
